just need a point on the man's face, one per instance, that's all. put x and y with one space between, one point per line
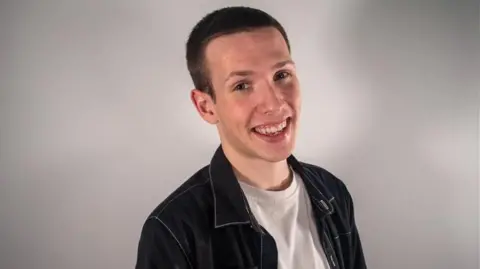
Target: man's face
257 94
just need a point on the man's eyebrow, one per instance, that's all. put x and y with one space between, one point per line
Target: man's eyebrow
240 73
282 64
244 73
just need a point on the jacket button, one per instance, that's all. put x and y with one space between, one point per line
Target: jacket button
324 204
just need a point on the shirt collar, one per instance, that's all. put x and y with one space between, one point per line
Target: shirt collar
230 204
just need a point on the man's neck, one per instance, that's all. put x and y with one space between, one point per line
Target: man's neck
260 173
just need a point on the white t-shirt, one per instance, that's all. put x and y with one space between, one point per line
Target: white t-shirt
287 216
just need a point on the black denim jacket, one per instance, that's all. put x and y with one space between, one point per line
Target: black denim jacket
207 224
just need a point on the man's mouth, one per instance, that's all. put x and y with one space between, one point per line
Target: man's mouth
272 129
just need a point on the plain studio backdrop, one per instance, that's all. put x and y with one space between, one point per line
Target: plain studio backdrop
97 127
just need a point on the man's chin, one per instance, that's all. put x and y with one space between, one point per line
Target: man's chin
274 156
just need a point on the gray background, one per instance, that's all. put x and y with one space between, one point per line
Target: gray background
96 126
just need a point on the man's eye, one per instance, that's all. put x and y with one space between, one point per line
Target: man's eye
281 75
241 87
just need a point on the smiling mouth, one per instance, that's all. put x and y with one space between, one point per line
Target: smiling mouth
273 129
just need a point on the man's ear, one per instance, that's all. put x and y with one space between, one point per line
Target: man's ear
205 106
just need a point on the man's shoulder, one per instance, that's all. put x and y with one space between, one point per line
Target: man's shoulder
325 179
187 203
336 192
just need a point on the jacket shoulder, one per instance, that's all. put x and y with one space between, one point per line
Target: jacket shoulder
190 203
326 180
174 221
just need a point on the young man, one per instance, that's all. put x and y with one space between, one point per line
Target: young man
254 205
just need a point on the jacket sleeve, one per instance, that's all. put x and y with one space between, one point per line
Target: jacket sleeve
357 257
158 248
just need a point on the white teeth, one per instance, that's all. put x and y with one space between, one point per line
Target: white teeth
272 129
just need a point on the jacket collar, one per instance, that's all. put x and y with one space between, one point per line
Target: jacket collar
230 204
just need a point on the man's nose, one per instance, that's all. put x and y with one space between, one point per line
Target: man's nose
271 99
